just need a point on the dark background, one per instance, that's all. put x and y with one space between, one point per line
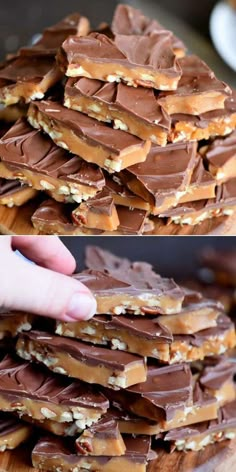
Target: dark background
173 257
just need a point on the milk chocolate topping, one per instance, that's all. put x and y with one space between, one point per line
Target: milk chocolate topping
213 377
53 37
10 187
16 150
138 450
92 355
154 52
34 382
139 101
167 170
9 424
27 69
97 133
51 211
101 204
132 221
222 150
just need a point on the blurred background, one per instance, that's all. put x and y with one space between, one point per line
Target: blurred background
19 21
172 257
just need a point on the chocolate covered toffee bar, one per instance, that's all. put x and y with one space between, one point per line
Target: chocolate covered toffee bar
33 70
52 454
55 218
12 323
199 91
217 379
83 361
194 213
165 175
67 178
186 127
12 432
135 295
102 439
220 157
200 435
31 390
130 109
202 185
95 142
130 21
136 60
13 193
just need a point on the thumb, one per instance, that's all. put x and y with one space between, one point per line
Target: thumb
33 289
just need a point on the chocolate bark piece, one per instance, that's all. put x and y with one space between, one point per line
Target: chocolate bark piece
95 142
133 295
164 396
165 175
33 391
202 434
196 212
139 335
220 157
208 342
27 78
98 212
51 453
102 439
221 264
54 218
130 109
210 124
12 432
82 361
130 21
224 295
217 379
49 168
12 323
13 193
136 60
123 196
53 36
133 221
202 185
199 91
33 70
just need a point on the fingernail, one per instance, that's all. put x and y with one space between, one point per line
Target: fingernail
82 307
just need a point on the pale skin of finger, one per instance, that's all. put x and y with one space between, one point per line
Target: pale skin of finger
38 290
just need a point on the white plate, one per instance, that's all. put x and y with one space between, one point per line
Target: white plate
223 32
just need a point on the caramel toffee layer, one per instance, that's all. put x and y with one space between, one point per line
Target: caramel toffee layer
164 396
51 453
92 140
202 185
53 36
137 60
133 294
12 432
31 390
130 21
208 432
198 90
48 167
102 439
221 264
79 360
165 175
13 193
12 323
123 196
221 158
194 213
130 109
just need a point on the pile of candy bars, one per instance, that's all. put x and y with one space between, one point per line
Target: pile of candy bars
150 374
119 130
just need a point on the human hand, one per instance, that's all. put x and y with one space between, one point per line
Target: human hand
43 289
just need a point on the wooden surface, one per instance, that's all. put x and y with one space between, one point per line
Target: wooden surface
18 221
219 457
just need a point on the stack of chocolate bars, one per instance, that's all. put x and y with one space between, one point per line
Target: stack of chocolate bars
124 132
148 375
